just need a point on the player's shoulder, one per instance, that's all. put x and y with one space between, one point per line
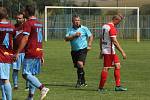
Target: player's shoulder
35 22
82 26
7 24
38 24
70 28
27 22
106 26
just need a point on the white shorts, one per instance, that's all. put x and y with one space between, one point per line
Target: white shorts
17 65
31 66
4 70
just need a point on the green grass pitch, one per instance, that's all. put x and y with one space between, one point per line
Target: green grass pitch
59 75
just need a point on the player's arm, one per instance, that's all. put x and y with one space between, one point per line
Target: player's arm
42 59
71 37
100 46
22 44
117 45
90 40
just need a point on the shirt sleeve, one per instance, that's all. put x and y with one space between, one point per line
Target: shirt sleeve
88 32
68 31
14 31
26 28
112 32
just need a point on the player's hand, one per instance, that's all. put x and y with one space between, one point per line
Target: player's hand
77 34
42 60
89 47
124 55
15 56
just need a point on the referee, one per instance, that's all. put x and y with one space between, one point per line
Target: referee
80 39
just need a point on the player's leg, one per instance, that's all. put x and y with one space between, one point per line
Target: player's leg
2 89
36 83
35 70
31 91
74 59
117 74
104 74
6 86
80 73
107 61
21 56
8 89
27 66
27 86
78 58
16 68
15 78
81 62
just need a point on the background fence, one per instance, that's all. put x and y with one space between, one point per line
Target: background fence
58 24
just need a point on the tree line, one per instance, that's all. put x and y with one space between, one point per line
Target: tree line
14 6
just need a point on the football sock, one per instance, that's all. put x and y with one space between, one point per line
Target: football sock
3 90
15 77
41 87
27 84
33 80
117 76
31 89
104 75
80 73
8 91
83 78
30 97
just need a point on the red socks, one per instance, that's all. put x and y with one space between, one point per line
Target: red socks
41 87
117 76
104 75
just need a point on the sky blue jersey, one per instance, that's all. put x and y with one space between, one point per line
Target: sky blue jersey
81 41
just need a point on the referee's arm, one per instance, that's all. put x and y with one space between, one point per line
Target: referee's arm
70 38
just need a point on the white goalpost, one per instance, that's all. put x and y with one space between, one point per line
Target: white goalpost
119 8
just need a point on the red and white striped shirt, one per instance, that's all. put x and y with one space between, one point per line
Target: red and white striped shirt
108 31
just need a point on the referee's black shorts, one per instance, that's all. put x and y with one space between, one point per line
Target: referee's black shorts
79 55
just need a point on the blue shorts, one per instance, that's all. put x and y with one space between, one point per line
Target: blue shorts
31 66
17 65
4 70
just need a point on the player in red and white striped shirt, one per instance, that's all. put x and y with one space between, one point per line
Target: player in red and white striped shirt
108 43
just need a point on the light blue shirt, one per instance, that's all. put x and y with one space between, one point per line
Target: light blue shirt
81 41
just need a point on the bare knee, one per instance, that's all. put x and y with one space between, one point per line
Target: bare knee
105 69
80 64
4 81
117 66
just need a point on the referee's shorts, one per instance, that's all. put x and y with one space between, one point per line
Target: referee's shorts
79 55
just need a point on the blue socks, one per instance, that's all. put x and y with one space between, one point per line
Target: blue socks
8 91
3 90
31 89
27 84
15 77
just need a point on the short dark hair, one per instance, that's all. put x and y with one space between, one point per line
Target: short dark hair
30 9
3 13
75 16
20 13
